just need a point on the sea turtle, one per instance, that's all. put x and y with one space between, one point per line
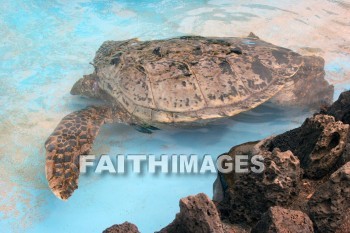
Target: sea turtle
188 80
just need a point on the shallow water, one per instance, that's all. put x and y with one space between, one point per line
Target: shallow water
47 45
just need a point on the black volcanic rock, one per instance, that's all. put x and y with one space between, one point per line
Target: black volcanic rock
126 227
281 220
322 145
340 109
330 204
249 195
319 144
345 225
197 214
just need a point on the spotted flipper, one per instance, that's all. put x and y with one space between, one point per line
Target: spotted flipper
72 137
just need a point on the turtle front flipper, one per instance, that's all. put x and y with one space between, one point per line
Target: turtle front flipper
72 137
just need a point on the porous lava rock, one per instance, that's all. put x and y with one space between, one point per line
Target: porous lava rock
249 195
125 227
330 204
320 144
281 220
340 109
197 214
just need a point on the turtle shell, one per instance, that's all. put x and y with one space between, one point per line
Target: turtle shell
190 79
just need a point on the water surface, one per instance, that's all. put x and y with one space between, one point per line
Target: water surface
47 45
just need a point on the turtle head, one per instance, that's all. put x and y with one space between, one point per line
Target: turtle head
87 86
308 86
313 64
311 87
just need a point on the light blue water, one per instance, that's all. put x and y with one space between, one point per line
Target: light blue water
46 46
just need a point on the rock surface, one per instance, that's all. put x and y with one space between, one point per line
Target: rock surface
319 144
322 145
280 220
330 204
197 214
340 109
126 227
251 194
345 226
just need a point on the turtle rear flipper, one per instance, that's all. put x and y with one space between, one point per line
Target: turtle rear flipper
144 128
72 137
